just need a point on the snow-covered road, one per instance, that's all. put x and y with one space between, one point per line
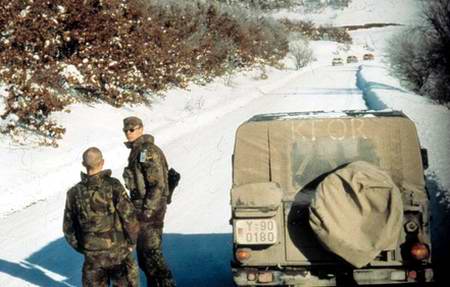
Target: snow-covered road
197 233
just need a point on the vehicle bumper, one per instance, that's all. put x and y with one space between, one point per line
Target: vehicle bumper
302 277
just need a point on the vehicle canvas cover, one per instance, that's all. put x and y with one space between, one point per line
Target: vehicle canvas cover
357 211
298 150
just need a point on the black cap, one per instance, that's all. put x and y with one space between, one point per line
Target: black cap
131 122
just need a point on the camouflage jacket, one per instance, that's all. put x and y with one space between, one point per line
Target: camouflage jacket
99 219
146 178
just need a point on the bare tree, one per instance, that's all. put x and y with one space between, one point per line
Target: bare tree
421 56
437 15
407 58
301 52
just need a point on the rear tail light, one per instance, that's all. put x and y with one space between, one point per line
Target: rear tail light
242 254
420 251
412 274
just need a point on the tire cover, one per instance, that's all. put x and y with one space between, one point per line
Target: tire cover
357 212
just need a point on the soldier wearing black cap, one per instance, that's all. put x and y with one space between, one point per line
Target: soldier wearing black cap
146 178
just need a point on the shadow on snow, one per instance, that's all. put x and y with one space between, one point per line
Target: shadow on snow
369 89
195 260
198 259
440 229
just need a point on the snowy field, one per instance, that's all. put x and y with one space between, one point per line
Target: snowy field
195 128
361 12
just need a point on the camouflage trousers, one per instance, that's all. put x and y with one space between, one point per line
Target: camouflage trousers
150 257
125 274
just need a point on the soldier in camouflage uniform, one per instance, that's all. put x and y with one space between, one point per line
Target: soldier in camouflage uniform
100 222
146 178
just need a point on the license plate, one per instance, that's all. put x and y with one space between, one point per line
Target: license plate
255 231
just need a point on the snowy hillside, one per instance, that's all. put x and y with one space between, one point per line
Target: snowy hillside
362 12
195 128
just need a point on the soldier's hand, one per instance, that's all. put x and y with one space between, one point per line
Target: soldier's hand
144 215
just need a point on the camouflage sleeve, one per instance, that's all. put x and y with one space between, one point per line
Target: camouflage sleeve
70 225
154 173
126 211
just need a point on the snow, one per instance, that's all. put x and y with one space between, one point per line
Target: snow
3 95
71 72
195 127
361 12
24 12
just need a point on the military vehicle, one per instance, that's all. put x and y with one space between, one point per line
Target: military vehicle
352 59
337 61
368 57
330 199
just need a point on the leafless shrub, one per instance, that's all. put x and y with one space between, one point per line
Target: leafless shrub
437 15
421 57
301 52
408 60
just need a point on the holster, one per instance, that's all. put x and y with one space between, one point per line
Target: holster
173 177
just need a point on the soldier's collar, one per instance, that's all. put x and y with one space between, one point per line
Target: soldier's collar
147 138
95 178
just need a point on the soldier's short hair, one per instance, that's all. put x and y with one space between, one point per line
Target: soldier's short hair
92 157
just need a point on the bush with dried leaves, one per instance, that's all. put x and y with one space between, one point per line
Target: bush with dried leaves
53 53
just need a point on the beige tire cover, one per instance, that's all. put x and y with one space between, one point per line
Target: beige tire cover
356 212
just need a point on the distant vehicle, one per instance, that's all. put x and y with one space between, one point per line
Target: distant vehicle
324 199
337 61
352 59
368 57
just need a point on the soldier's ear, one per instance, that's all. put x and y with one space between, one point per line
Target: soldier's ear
84 163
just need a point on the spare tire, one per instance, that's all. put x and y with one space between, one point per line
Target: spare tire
357 212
